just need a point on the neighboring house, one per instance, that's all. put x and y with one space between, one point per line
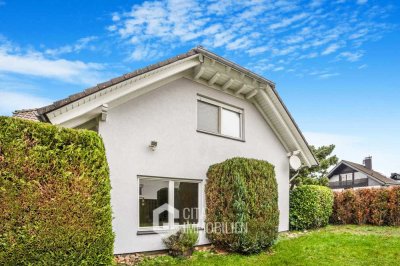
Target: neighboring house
353 175
164 125
395 176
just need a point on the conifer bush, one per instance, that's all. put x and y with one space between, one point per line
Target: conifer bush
242 212
54 196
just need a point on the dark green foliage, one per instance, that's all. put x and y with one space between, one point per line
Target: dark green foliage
315 175
242 192
54 196
181 244
310 207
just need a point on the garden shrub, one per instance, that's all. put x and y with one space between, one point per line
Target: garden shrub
375 206
181 244
242 198
310 207
54 196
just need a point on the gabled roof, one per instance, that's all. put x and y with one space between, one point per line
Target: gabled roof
361 168
198 64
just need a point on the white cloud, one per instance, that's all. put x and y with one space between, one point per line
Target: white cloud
115 17
350 56
261 29
33 63
11 101
257 50
294 39
328 75
81 44
238 44
280 68
288 21
316 3
358 34
331 49
361 2
363 66
310 55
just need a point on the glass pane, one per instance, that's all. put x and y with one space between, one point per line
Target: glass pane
230 123
153 194
207 117
186 202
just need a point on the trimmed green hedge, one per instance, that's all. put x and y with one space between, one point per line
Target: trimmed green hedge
242 192
54 196
310 207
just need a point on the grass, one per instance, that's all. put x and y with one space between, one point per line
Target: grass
334 245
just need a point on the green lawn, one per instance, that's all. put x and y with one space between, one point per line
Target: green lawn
334 245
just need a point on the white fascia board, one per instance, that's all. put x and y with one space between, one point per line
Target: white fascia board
288 128
146 81
294 129
334 168
272 126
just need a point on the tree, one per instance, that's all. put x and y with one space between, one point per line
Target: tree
315 175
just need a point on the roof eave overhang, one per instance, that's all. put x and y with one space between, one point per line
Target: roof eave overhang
208 69
84 109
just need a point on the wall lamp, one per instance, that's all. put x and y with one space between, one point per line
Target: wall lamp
153 145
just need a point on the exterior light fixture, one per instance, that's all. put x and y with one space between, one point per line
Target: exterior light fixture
153 145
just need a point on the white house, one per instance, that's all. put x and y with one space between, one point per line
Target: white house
165 124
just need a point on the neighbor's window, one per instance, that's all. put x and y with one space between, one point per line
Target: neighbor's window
156 195
217 118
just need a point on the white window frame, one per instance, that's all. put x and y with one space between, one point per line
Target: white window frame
171 201
221 106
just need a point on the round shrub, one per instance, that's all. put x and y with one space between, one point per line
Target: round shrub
310 207
242 205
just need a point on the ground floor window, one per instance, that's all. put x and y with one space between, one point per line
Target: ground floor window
166 202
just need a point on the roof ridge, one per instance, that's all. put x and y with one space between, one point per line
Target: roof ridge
25 110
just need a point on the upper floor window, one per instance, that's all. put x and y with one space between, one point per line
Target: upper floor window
218 118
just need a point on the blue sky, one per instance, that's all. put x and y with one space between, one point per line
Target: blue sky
335 63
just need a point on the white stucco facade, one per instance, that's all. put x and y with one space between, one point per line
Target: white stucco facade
168 115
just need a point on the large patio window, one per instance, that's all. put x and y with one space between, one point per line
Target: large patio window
219 119
167 203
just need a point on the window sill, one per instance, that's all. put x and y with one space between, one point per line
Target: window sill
160 231
220 135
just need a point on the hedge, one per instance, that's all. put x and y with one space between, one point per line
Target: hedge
242 193
375 206
310 207
54 196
